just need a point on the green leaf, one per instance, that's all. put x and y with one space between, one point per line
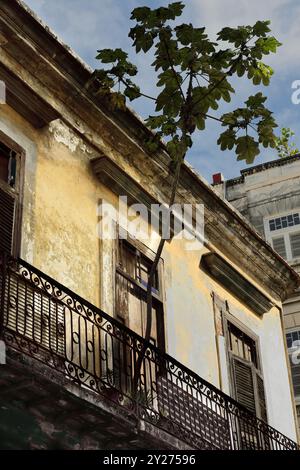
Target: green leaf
268 44
132 92
140 13
247 148
111 55
184 33
170 79
177 146
261 28
103 76
227 140
154 122
257 77
284 146
237 36
200 123
240 69
255 101
176 8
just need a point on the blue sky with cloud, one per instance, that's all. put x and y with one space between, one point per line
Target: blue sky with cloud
88 25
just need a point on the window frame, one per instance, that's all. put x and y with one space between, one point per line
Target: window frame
290 244
290 331
283 232
15 191
280 216
147 253
157 296
229 318
290 351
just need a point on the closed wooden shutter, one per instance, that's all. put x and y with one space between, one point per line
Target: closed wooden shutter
295 369
261 398
279 246
249 387
244 384
7 219
295 244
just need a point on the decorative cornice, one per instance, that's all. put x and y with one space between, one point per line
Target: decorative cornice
237 284
115 178
25 101
122 184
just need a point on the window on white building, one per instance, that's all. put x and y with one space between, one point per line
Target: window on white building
284 221
279 246
293 344
292 337
283 233
295 244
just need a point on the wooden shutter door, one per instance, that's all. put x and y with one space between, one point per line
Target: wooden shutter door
246 394
262 412
244 384
7 220
249 388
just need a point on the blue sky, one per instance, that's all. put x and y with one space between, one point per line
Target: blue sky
88 25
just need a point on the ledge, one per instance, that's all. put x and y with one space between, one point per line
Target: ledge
122 184
232 280
115 178
25 101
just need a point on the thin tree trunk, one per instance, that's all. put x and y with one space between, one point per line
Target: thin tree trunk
151 278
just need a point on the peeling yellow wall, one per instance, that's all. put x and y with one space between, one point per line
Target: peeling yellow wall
60 238
66 195
66 202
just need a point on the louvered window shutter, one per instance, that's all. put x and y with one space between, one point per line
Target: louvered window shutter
244 384
7 218
262 412
295 244
249 387
295 369
279 246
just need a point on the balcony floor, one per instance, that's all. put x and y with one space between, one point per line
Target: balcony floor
40 409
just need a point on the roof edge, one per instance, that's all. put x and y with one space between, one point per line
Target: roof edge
137 120
262 167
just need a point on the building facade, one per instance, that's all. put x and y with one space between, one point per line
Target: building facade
76 372
269 196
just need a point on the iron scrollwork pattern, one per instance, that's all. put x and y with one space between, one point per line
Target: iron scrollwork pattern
48 322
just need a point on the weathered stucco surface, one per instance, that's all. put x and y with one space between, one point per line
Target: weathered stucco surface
62 241
60 219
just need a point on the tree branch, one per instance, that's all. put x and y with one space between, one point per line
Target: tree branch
173 70
217 84
140 93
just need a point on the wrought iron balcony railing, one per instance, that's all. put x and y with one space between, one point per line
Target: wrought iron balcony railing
46 321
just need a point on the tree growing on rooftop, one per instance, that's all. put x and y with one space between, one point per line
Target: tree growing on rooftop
193 76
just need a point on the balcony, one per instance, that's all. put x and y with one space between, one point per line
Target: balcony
47 326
